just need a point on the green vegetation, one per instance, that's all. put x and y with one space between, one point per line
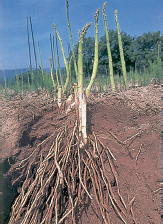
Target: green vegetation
64 58
95 63
138 51
23 83
151 74
121 51
73 54
140 63
108 48
138 74
73 149
81 105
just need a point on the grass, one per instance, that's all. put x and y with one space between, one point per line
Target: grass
33 80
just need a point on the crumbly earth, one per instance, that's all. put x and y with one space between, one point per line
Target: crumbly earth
127 122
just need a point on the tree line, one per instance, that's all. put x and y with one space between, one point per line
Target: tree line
139 52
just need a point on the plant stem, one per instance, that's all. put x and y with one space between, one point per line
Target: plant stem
109 50
81 97
56 71
94 72
41 62
51 72
70 69
33 43
29 45
72 46
64 58
121 51
59 69
59 96
51 46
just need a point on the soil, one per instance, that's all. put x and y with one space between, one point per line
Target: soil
127 123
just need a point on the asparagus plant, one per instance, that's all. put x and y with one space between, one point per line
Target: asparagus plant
51 46
81 96
64 58
41 62
33 42
59 95
108 49
59 69
95 56
51 72
121 50
56 71
72 47
30 64
70 69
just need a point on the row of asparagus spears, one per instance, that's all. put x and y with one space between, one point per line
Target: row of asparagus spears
78 65
80 96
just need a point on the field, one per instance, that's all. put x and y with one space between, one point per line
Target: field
126 123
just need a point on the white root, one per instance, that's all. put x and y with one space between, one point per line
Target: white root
82 120
136 159
59 96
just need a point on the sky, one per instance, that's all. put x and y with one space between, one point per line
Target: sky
135 18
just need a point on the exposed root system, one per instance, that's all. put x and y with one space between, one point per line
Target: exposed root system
60 179
49 178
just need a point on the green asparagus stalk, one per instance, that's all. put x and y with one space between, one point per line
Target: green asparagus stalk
41 62
51 72
121 51
56 71
95 56
81 96
30 64
64 58
72 46
51 46
108 48
80 57
59 69
33 43
70 69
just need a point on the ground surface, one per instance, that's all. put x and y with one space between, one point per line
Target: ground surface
127 122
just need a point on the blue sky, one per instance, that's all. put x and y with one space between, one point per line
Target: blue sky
135 18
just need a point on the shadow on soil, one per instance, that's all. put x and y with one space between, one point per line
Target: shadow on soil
9 191
25 139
